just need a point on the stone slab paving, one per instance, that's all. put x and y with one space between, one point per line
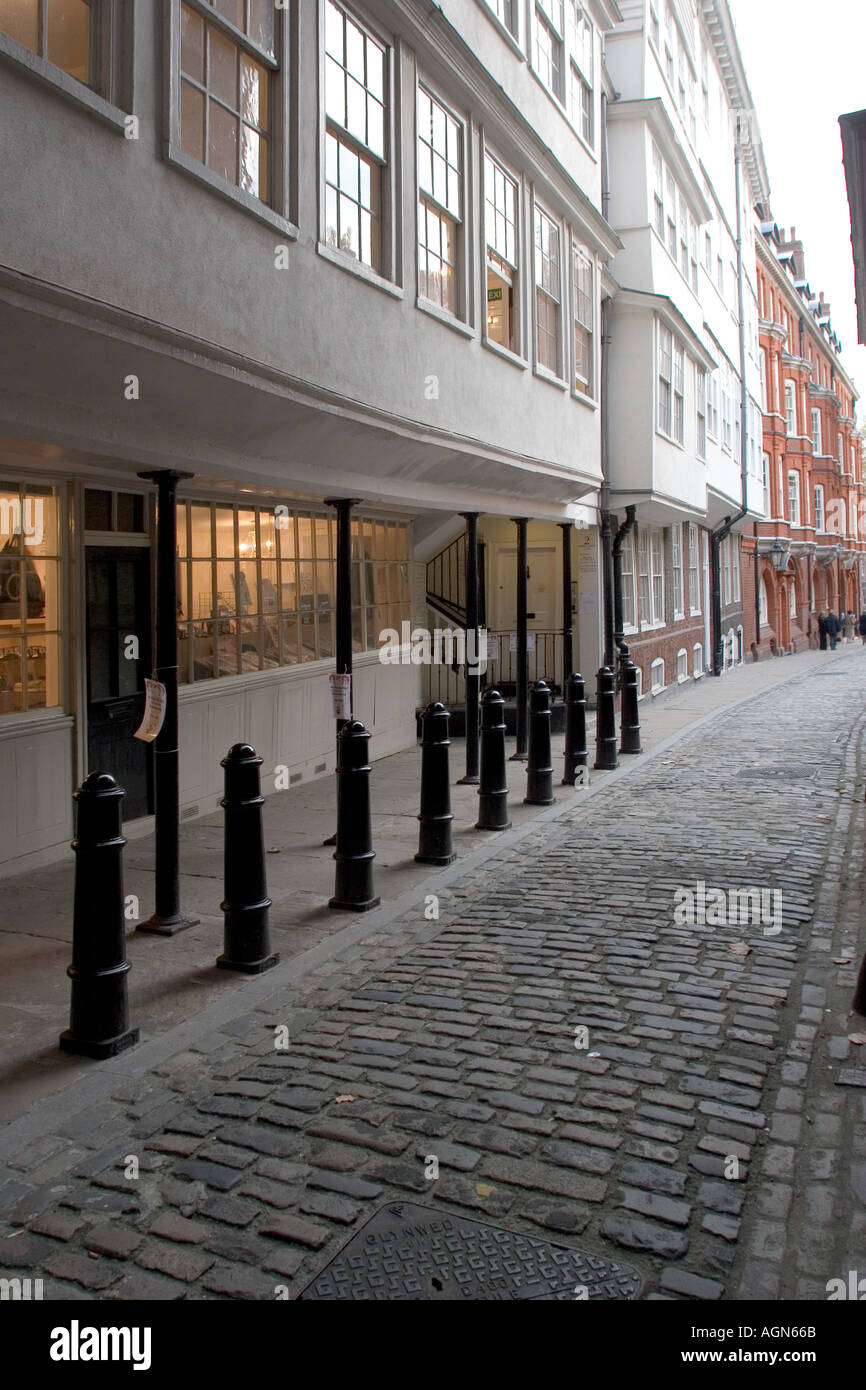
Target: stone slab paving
561 1051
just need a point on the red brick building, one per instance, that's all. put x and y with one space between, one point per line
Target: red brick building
811 549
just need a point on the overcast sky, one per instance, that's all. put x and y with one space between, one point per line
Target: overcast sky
806 66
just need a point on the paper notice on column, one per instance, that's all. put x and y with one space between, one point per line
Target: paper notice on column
154 711
341 695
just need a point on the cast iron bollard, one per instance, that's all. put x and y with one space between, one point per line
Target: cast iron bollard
99 1012
434 836
353 887
539 769
629 716
858 1003
575 729
493 791
605 728
246 943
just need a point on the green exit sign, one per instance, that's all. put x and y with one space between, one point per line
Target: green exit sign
493 295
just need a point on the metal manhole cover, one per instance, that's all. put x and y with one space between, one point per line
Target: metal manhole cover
409 1252
787 771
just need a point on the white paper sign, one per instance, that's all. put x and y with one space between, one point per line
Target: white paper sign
154 711
341 695
492 648
530 641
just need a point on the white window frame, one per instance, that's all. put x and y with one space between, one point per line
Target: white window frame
657 669
677 570
820 514
496 260
665 377
109 90
735 568
790 406
698 660
701 411
426 199
629 591
793 497
507 12
583 304
816 431
278 211
548 23
682 666
694 571
552 293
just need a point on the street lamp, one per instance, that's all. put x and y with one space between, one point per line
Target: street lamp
779 555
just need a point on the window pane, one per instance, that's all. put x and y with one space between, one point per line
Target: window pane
192 121
223 69
192 44
97 510
20 20
222 155
67 36
254 93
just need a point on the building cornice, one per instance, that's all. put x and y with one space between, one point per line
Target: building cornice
773 330
720 26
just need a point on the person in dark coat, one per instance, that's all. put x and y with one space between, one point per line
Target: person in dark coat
822 629
861 628
833 626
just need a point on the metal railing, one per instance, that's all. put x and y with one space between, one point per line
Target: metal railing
544 662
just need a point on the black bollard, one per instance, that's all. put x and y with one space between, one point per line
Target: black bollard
246 943
576 754
858 1004
629 715
539 768
605 727
353 887
493 791
434 836
99 1012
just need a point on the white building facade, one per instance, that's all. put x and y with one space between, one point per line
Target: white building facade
678 470
299 253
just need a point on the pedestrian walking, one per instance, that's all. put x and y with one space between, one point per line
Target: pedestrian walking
861 626
833 626
822 629
849 627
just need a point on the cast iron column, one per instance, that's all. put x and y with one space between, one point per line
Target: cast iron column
473 679
343 665
167 919
567 615
522 687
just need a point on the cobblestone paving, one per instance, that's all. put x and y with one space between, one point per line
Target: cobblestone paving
700 1134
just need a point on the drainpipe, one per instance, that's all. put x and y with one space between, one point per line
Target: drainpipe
606 534
757 595
723 531
628 525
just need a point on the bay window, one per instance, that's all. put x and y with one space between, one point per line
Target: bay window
701 399
665 379
548 45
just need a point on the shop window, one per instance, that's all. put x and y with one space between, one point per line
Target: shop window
105 510
30 608
257 587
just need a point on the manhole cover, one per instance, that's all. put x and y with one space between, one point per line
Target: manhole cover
406 1251
781 771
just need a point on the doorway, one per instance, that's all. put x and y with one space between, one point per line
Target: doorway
543 599
118 660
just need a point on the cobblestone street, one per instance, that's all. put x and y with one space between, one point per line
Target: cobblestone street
711 1132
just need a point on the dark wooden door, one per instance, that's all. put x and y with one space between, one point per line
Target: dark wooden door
118 609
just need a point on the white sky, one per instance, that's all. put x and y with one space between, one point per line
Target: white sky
805 68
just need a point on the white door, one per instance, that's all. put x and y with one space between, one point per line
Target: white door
543 598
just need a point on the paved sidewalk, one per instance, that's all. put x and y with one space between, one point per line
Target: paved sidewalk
174 979
455 1038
